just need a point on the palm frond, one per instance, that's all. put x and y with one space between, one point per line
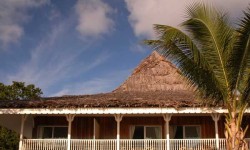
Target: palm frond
239 62
210 30
208 87
188 47
245 130
228 130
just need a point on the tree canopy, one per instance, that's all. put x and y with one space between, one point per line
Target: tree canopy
19 91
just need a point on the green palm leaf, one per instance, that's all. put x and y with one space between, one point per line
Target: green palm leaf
189 68
211 31
239 63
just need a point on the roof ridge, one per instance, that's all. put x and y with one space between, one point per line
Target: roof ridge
154 73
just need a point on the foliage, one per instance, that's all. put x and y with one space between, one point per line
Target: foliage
8 139
214 57
17 91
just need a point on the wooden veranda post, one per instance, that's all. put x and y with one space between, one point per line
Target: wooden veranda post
70 119
216 118
118 119
167 118
23 118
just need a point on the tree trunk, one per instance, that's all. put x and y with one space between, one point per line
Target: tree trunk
234 133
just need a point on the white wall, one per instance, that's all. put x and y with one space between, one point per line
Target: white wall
13 122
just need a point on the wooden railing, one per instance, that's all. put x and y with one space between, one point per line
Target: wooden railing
193 144
125 144
44 144
222 144
81 144
146 144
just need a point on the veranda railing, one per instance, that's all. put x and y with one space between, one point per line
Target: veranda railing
125 144
144 144
44 144
105 144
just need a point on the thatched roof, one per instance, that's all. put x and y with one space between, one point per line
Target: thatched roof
113 99
154 73
154 83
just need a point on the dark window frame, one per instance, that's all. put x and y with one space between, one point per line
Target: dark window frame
41 129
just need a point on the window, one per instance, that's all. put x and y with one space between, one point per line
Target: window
46 132
146 132
186 132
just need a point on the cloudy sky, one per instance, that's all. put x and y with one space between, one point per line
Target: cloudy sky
83 46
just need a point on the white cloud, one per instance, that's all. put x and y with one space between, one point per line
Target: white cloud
93 86
145 13
96 85
94 18
31 72
49 65
12 14
10 33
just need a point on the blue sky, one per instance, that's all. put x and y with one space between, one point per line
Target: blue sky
83 46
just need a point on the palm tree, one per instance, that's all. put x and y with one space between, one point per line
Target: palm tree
214 57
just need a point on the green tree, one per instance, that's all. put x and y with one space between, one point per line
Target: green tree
214 57
17 91
9 140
